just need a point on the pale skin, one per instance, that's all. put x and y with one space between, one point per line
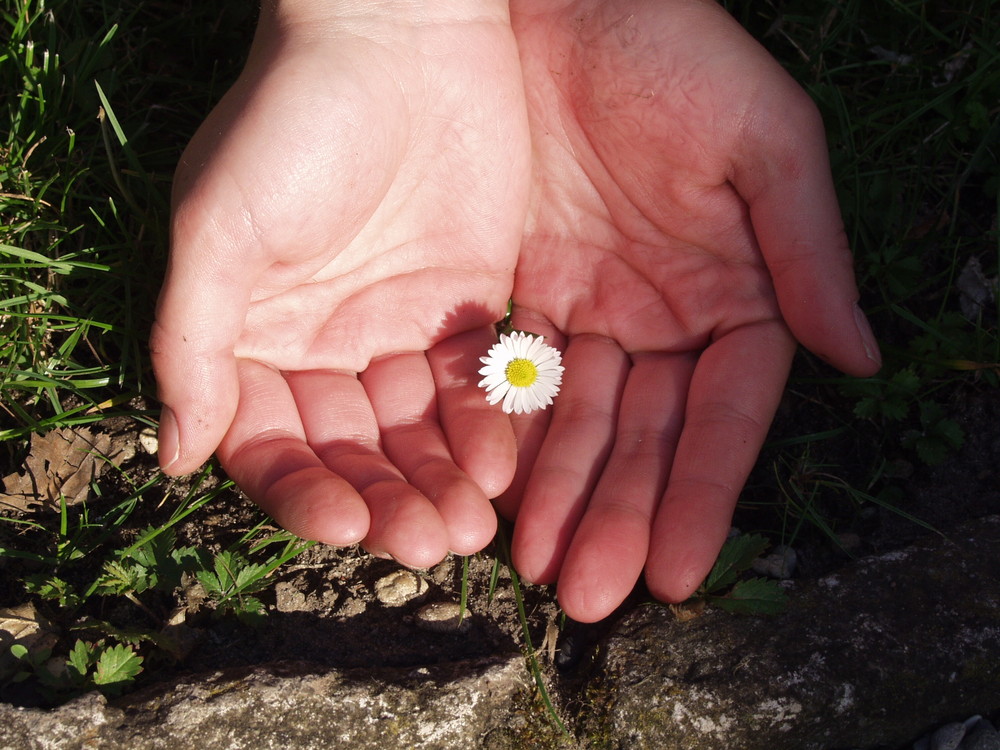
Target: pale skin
356 198
348 222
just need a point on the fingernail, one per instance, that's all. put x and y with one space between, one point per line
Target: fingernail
867 337
169 438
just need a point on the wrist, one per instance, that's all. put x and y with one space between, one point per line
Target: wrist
338 14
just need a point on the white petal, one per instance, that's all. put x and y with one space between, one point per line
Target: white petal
508 401
500 392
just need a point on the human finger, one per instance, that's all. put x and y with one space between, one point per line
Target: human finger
735 391
610 546
199 316
265 453
530 428
569 462
401 390
782 171
479 434
341 428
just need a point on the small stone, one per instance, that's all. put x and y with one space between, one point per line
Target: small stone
149 441
289 599
352 607
779 564
849 541
981 735
948 737
971 722
443 617
400 587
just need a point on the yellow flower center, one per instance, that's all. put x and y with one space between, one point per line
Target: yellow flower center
521 373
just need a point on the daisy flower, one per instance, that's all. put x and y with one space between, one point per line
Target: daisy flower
522 370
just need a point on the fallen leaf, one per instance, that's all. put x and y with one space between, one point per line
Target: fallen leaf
689 610
60 463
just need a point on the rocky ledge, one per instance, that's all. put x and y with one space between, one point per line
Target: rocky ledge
888 649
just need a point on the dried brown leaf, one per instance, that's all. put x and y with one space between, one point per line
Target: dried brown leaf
26 626
62 462
689 610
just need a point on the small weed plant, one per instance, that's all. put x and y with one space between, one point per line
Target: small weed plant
83 567
728 588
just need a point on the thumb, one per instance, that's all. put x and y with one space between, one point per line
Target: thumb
199 317
783 173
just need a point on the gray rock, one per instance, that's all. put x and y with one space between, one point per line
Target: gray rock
981 736
871 655
779 564
70 726
887 649
948 737
288 706
975 733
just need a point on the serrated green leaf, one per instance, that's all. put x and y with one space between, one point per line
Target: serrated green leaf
165 565
120 578
169 564
906 381
52 588
867 408
756 596
116 665
251 578
894 408
188 558
208 579
932 452
235 574
951 433
736 556
250 610
80 658
227 565
156 549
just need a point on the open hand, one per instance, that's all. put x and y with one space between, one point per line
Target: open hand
682 233
353 205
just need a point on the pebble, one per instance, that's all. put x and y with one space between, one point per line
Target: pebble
849 541
981 736
779 564
289 599
443 617
948 737
400 587
352 607
975 733
149 441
